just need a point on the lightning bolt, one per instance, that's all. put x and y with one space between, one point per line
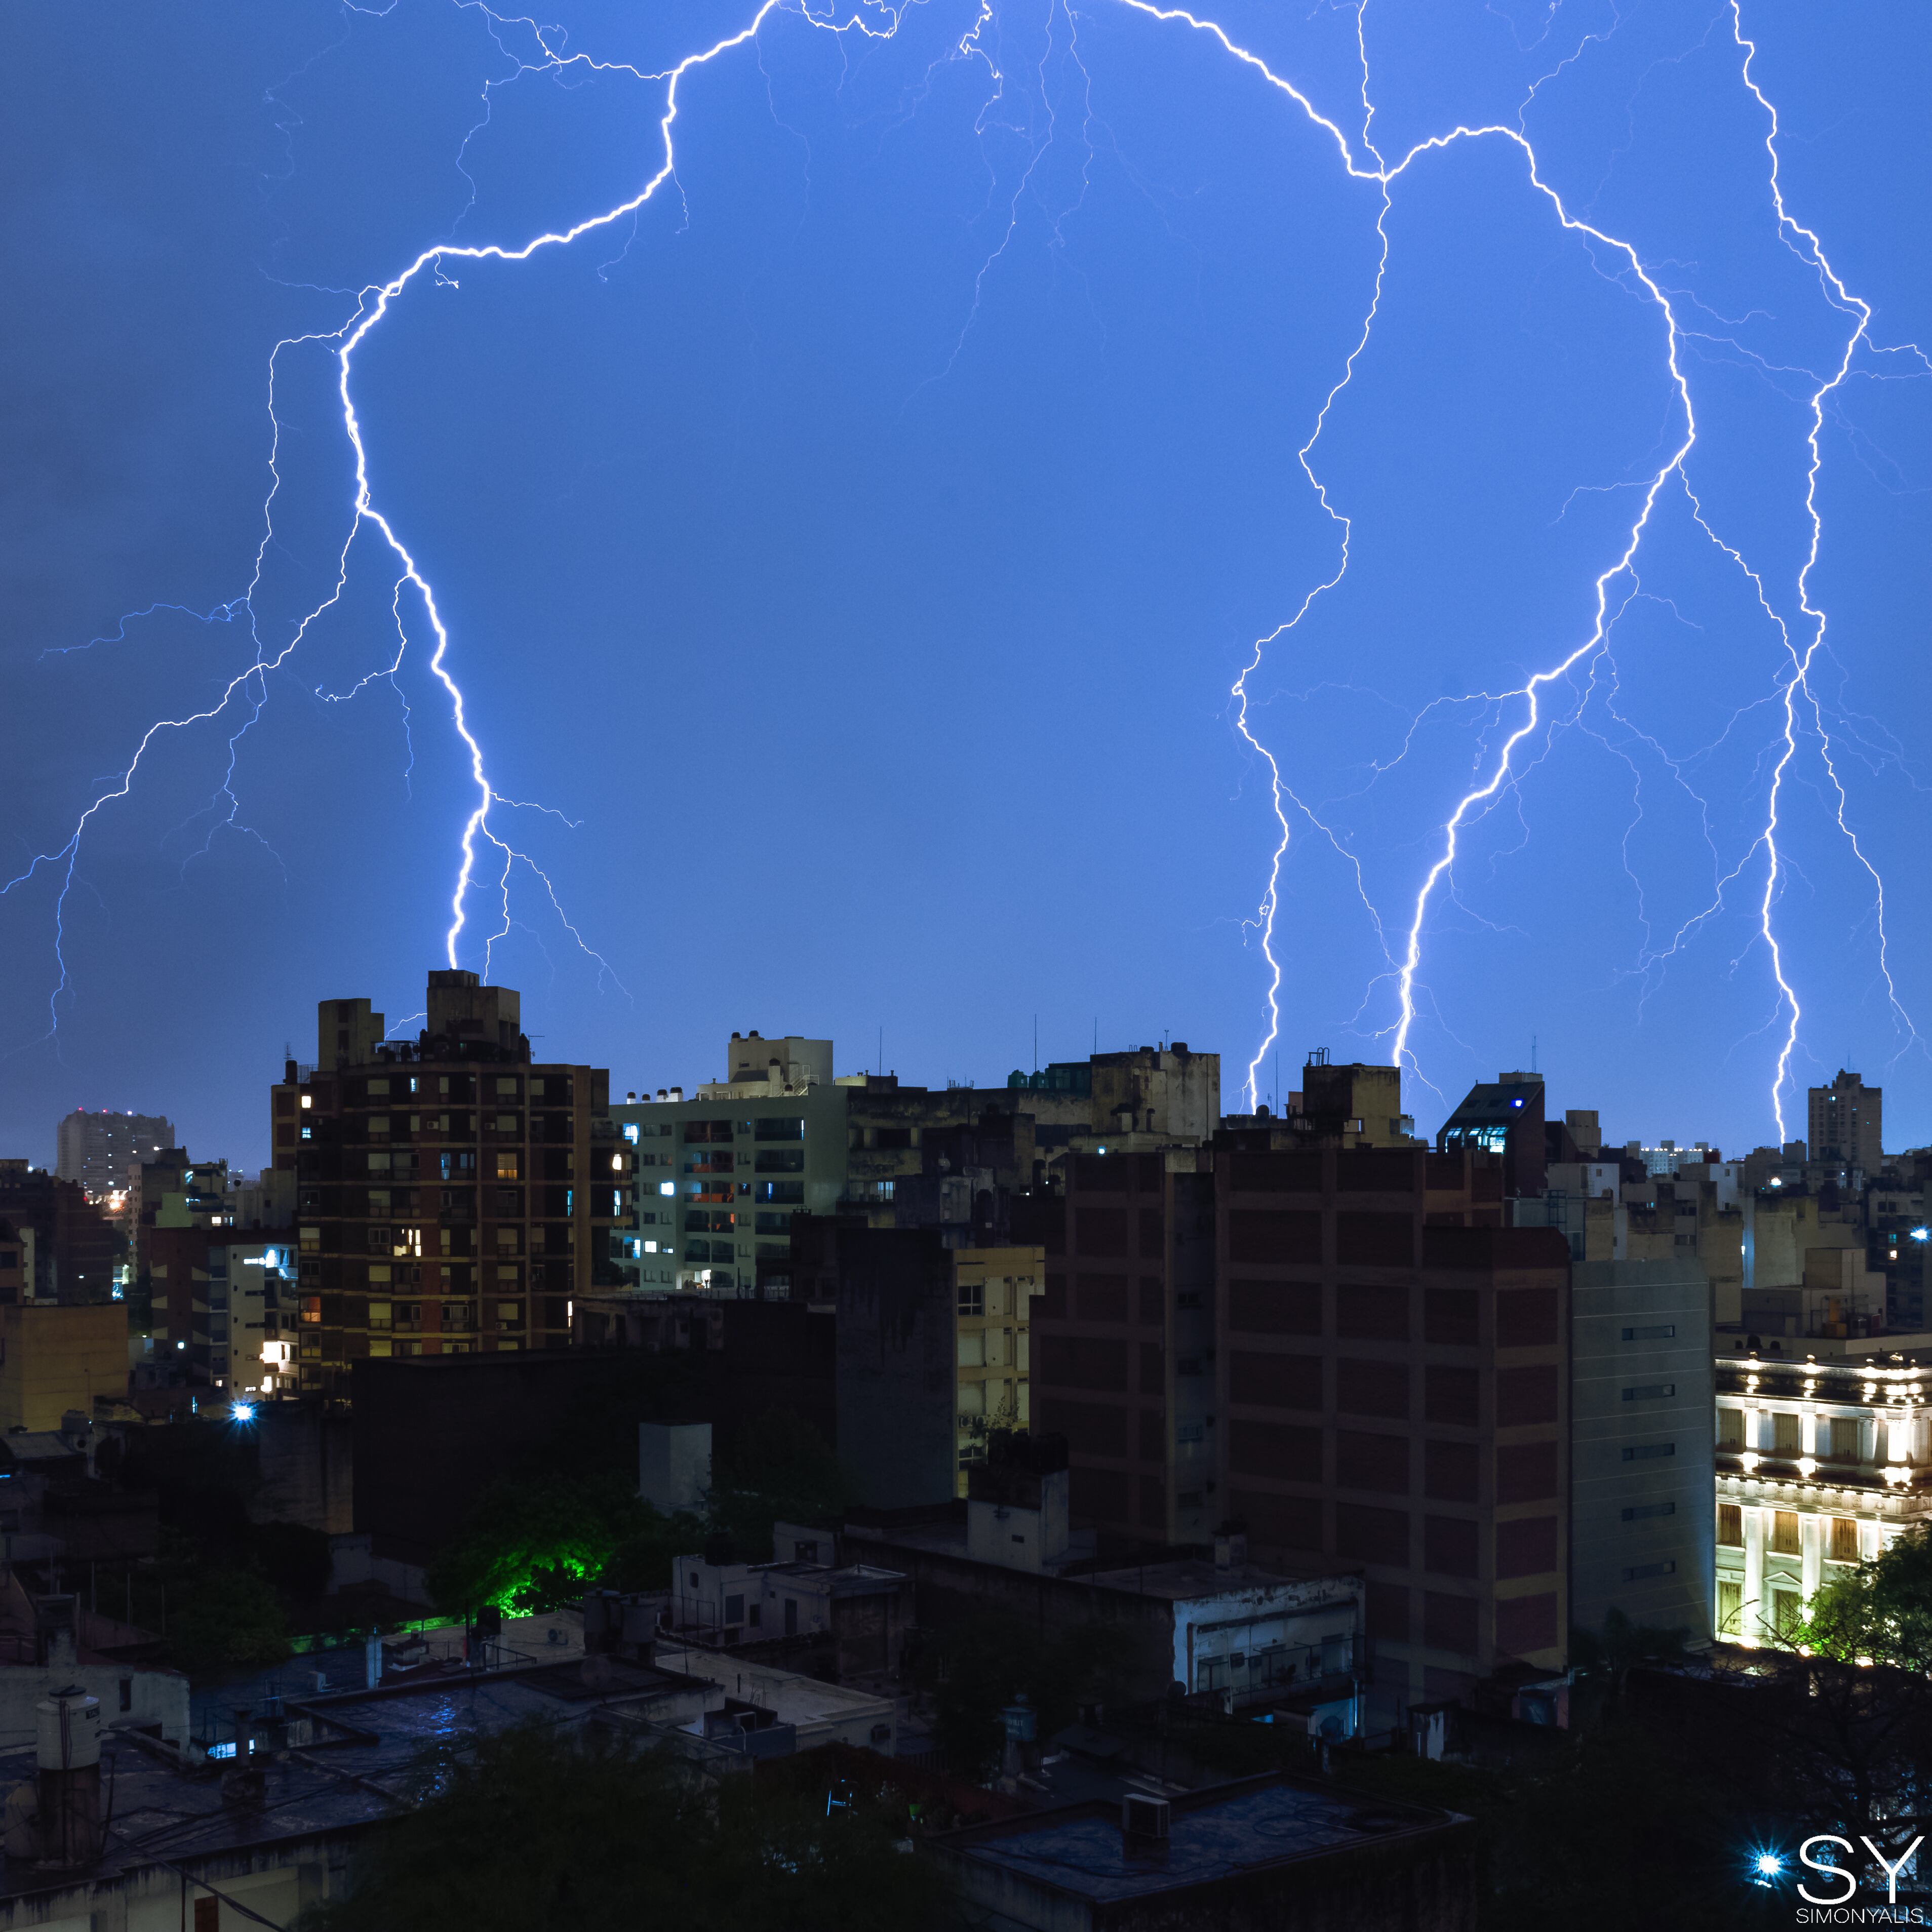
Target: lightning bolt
1798 702
1530 705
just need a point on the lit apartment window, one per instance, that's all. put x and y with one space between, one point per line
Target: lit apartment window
509 1164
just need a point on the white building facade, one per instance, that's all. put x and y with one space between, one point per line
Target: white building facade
1819 1465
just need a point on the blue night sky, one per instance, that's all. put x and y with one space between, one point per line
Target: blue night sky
856 550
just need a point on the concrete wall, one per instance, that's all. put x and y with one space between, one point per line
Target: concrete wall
153 1697
279 1882
307 1468
1629 1514
58 1358
898 1350
674 1464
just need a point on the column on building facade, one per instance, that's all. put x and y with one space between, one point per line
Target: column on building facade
1757 1526
1812 1531
1807 1432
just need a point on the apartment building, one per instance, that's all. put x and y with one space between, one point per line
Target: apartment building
1820 1464
1846 1125
720 1174
453 1194
722 1170
934 1350
1641 1463
102 1150
1124 1345
1393 1388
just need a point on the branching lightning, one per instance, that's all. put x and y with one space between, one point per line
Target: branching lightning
1525 718
1798 703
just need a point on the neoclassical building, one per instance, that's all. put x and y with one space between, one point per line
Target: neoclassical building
1819 1465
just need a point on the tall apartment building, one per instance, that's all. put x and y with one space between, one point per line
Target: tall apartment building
225 1307
453 1194
1394 1389
1123 1345
934 1350
720 1175
73 1250
1845 1124
1819 1465
722 1170
1641 1461
102 1150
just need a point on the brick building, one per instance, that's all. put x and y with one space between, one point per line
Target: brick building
1341 1347
453 1195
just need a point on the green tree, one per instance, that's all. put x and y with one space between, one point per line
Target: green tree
229 1617
1620 1646
779 1469
1879 1613
528 1546
533 1828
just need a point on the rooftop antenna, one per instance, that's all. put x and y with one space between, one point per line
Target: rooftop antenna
1035 1042
1532 1053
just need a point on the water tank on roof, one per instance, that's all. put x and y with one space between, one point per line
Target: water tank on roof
68 1730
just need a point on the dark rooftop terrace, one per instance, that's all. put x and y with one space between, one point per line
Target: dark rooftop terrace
1225 1831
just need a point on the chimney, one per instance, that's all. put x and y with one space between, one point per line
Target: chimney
1230 1546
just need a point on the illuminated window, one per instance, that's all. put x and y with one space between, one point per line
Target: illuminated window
631 1131
311 1308
308 1101
509 1164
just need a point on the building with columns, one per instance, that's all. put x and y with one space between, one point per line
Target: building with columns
1820 1464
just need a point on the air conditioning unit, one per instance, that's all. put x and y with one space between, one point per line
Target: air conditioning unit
1146 1824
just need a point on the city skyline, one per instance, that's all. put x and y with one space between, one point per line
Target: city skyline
973 676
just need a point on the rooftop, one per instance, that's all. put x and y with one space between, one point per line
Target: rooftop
800 1701
1216 1834
1184 1580
359 1761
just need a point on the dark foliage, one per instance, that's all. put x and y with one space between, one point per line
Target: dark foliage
780 1469
532 1829
974 1670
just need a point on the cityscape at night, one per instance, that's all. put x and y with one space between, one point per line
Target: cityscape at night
963 967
